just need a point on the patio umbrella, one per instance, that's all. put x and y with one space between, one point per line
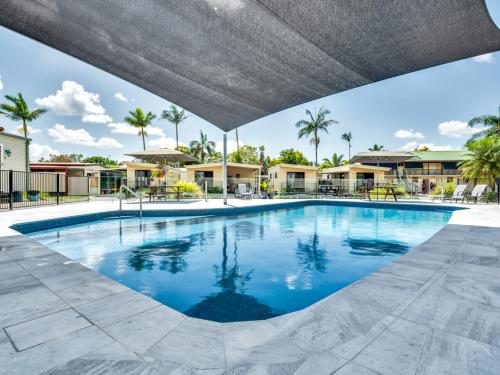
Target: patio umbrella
162 156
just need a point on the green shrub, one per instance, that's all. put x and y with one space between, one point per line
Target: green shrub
191 188
399 190
447 190
490 196
214 190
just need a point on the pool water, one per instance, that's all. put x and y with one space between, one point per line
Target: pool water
245 267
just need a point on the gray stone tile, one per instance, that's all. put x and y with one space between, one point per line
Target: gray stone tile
54 353
37 331
12 302
107 311
397 350
408 271
18 284
39 262
6 348
70 279
139 332
320 363
474 272
103 367
446 353
475 321
287 368
114 351
485 292
195 343
10 270
50 270
90 292
258 342
352 368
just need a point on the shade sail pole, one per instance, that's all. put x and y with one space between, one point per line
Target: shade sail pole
224 168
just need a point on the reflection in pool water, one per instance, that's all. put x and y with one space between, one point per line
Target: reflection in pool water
245 267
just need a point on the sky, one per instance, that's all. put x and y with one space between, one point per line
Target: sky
87 106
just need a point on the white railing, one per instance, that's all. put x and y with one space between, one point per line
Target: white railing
125 187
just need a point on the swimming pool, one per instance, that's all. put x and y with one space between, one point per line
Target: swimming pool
248 266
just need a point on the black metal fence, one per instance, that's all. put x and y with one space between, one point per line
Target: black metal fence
30 189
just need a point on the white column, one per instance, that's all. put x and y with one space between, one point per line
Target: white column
259 181
224 169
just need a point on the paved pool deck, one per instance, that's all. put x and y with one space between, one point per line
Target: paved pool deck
435 310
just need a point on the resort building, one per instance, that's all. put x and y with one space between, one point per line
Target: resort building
14 152
350 178
140 174
101 180
212 173
422 169
292 178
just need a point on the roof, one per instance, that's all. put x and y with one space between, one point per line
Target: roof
456 155
162 155
141 164
219 165
64 166
295 166
20 137
347 168
233 61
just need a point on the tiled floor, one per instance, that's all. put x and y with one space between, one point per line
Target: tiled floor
435 310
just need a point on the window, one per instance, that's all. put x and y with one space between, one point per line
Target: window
275 174
238 175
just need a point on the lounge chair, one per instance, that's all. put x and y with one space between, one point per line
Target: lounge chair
243 192
458 194
477 192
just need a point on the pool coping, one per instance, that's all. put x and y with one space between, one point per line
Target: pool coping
397 310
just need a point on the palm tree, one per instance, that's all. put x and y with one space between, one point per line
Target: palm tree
347 137
19 111
175 117
484 159
491 125
336 161
376 147
313 125
202 147
141 121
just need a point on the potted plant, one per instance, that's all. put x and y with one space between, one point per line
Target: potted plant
33 195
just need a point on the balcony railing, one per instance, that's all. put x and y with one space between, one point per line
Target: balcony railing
432 172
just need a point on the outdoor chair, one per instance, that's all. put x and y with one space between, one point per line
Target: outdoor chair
458 194
477 192
243 192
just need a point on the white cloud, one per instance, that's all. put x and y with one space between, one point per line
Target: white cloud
61 134
164 142
73 100
1 82
410 133
231 145
411 146
19 130
38 151
456 129
486 58
124 128
121 97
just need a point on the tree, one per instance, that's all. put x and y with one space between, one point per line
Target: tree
202 147
290 156
175 117
423 149
347 137
484 159
19 111
141 121
335 161
376 147
491 125
105 161
215 158
246 155
313 125
64 158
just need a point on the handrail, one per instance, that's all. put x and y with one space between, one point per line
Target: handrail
123 186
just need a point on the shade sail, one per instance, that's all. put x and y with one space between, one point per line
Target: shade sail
162 155
381 157
234 61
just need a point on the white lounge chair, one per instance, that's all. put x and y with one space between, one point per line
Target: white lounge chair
477 192
458 194
243 192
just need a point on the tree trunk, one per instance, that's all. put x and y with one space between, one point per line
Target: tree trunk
237 141
143 140
316 147
176 137
349 151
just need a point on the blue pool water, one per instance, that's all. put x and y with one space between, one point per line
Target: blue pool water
245 267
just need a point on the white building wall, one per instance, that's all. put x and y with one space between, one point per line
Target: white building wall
17 159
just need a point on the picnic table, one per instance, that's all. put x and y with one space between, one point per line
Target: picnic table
163 192
389 189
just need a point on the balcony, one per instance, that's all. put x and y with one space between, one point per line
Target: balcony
432 172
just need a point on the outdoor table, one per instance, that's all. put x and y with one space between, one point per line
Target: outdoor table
389 190
160 191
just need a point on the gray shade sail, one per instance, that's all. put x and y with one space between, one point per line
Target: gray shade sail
381 156
234 61
162 155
